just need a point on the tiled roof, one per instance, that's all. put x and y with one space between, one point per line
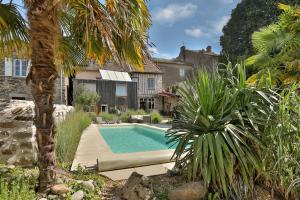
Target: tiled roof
171 61
149 67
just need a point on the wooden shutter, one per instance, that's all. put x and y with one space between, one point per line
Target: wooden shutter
8 65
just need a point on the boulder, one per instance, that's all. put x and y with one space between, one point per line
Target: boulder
9 148
137 187
6 123
79 195
16 110
51 196
60 189
89 184
21 159
189 191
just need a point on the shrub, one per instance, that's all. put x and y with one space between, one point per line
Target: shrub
106 117
86 98
68 135
155 117
281 156
217 125
16 184
125 116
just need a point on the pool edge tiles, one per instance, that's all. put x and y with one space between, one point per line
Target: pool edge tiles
94 152
112 161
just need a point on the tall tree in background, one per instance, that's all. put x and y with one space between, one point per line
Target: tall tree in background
249 16
59 31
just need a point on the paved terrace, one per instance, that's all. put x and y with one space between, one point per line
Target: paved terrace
94 153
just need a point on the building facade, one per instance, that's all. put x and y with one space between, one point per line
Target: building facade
142 90
200 59
13 74
173 72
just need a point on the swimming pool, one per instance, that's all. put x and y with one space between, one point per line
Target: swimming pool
129 139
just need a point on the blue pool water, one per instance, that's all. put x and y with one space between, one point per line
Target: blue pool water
128 139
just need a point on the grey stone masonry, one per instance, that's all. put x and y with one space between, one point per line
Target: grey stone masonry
12 87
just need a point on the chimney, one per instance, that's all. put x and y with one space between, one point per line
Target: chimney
208 49
182 52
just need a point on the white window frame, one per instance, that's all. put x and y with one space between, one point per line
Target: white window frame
181 72
150 86
121 85
21 67
90 87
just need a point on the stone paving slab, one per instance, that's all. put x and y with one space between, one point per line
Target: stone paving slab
151 170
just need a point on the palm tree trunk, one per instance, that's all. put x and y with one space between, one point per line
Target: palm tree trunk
42 15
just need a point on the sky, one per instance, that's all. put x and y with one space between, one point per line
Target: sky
193 23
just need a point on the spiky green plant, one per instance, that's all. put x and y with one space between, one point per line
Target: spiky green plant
219 121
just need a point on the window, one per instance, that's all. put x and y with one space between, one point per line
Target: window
21 67
151 83
90 87
121 90
147 103
181 72
151 104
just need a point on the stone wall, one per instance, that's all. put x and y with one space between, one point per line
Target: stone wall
2 70
15 87
17 131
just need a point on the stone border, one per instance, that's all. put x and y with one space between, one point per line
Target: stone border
94 152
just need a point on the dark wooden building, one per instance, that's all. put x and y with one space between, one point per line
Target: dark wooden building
119 95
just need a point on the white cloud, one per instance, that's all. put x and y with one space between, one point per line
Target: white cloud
174 12
156 53
153 50
218 25
195 32
226 1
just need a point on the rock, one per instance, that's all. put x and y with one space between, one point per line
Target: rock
9 148
3 170
51 196
59 181
22 159
189 191
89 184
17 110
2 142
60 189
6 123
26 144
11 166
137 187
79 195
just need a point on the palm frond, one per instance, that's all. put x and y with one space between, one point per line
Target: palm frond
13 30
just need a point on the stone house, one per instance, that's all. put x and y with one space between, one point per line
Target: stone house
173 71
200 59
148 85
13 73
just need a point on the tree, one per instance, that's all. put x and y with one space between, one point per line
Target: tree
249 16
277 48
62 30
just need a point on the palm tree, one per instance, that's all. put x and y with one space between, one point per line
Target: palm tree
61 30
13 29
278 47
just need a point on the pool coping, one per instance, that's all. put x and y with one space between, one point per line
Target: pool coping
94 152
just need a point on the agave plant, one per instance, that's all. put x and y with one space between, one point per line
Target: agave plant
217 128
